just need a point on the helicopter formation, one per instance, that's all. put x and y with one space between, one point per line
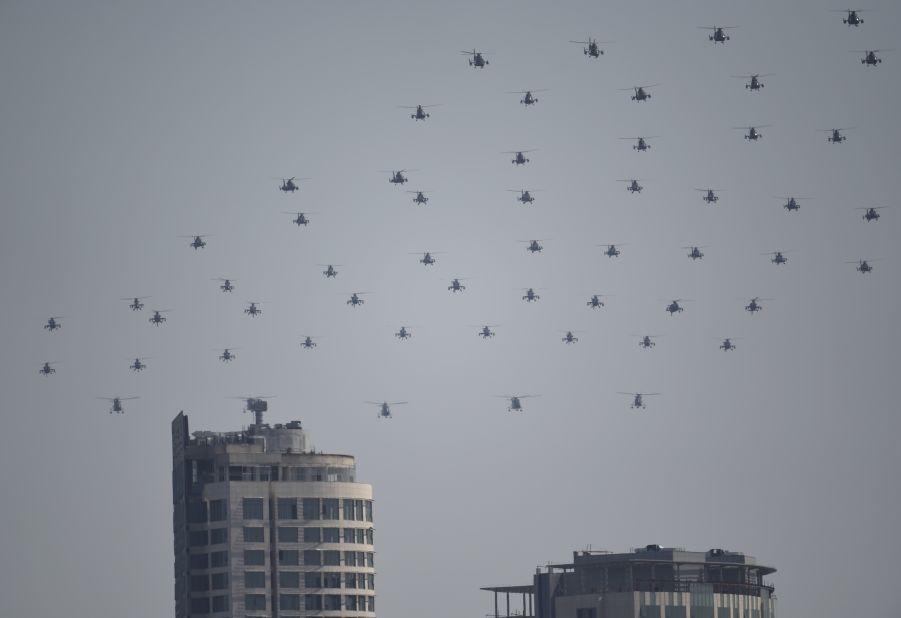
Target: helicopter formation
477 59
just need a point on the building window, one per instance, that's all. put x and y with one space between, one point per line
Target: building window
312 601
254 557
311 508
287 508
370 581
219 581
254 579
287 535
368 510
200 561
350 533
370 535
349 510
330 508
331 535
253 508
254 534
350 580
370 559
289 579
218 559
587 612
331 558
197 512
331 602
220 604
312 535
198 538
289 557
218 510
350 558
312 580
200 605
254 601
200 583
289 601
312 557
350 603
218 536
331 580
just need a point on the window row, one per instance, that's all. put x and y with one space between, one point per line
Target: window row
211 560
200 538
203 583
327 602
203 605
292 534
326 474
309 509
318 579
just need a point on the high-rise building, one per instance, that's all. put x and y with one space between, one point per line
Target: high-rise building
648 582
265 527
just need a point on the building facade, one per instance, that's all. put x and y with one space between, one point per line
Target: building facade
648 582
265 528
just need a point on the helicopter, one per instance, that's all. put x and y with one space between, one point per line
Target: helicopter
515 404
778 258
595 301
477 61
226 284
632 186
137 365
871 214
300 218
645 341
355 299
527 98
531 295
674 307
198 242
157 319
611 251
403 333
47 370
718 36
330 271
420 198
637 399
753 134
227 355
53 324
696 253
853 19
525 196
569 337
641 93
754 306
486 332
455 286
117 406
870 58
385 407
534 245
252 309
755 84
727 344
427 258
709 195
420 113
289 186
836 137
791 203
519 158
397 178
592 51
642 144
308 342
863 266
136 304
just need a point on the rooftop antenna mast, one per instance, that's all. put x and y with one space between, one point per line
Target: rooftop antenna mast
257 405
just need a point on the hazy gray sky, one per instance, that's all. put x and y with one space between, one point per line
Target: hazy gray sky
127 124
